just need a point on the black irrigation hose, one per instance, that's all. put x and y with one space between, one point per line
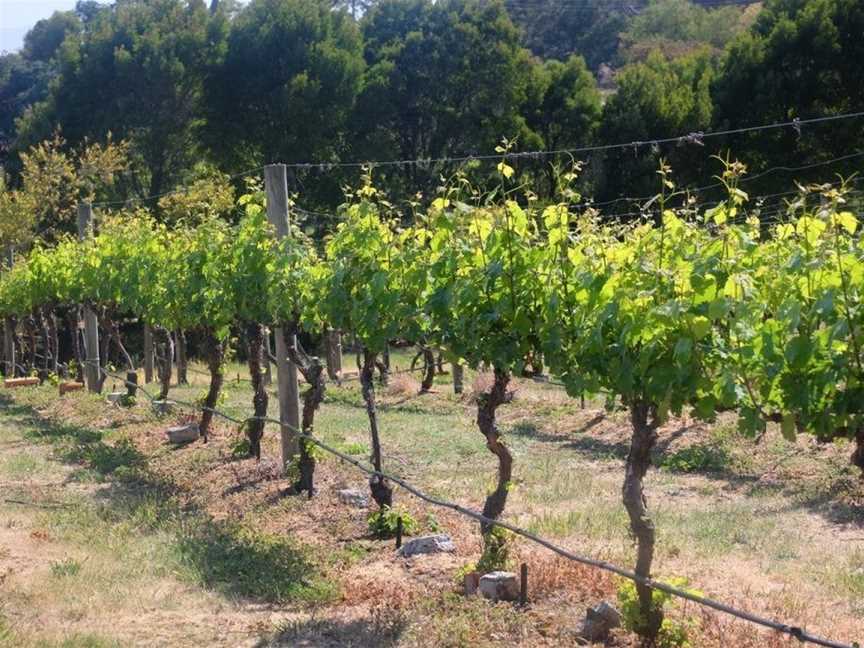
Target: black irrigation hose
794 631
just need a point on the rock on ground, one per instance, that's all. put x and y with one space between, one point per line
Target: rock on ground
500 586
599 620
353 497
439 543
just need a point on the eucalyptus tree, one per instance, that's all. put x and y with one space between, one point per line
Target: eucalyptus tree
137 72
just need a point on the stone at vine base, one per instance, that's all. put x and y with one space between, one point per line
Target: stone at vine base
438 543
115 397
353 497
500 586
599 620
183 434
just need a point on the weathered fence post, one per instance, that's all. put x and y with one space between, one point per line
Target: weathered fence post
9 326
276 185
91 325
458 377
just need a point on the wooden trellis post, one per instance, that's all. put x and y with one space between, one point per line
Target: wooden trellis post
91 324
148 354
9 327
276 185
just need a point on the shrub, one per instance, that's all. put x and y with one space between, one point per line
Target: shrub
673 633
496 555
382 523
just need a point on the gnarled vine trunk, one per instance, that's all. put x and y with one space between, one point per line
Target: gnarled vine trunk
215 353
858 454
164 358
644 436
260 399
312 371
182 363
381 490
53 341
487 405
429 369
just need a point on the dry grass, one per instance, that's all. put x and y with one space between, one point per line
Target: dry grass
403 384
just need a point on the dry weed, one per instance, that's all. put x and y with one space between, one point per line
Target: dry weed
402 385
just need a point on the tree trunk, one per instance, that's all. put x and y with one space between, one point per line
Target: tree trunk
255 427
164 358
381 490
182 364
487 406
429 366
215 355
638 461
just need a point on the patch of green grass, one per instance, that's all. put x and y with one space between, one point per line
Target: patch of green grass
707 457
359 449
65 568
22 464
239 561
717 530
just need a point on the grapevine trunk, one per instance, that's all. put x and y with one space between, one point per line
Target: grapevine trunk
487 406
215 355
182 378
312 398
255 427
381 490
858 454
164 357
429 373
638 461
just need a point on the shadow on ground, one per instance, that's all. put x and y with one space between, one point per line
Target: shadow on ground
222 555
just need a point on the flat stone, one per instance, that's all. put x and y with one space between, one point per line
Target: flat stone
115 397
599 620
353 497
183 434
439 543
500 586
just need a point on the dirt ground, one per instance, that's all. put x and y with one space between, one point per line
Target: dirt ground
111 537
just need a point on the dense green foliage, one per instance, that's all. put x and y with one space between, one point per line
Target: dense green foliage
193 85
683 311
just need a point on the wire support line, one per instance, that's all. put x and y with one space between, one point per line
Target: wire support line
799 633
717 185
687 138
695 138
